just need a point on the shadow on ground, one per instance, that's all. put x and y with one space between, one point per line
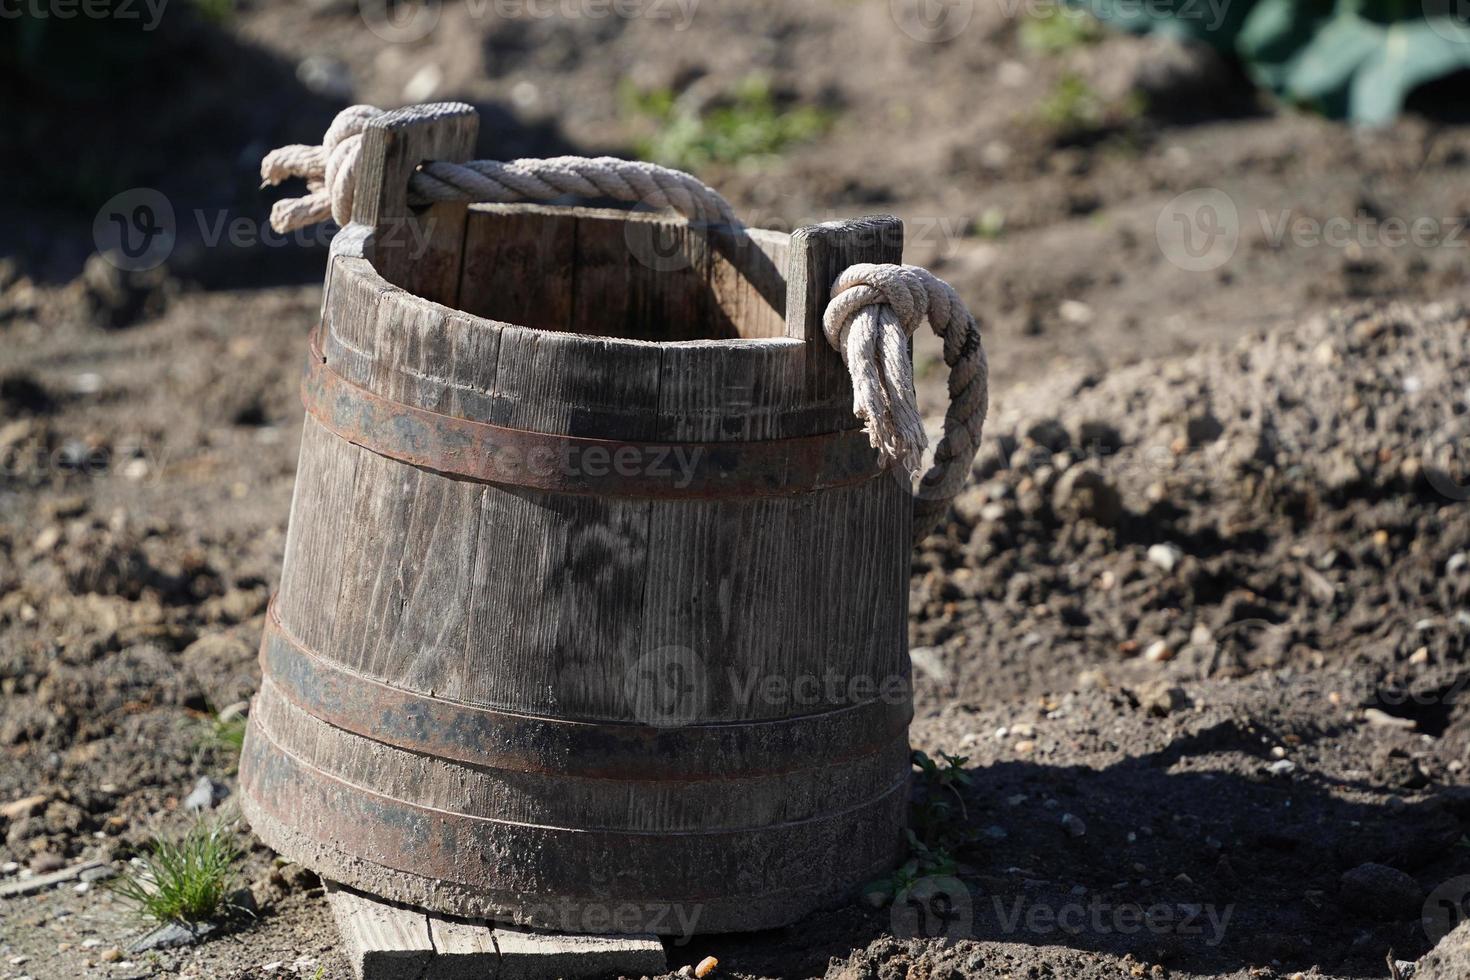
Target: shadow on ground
1195 866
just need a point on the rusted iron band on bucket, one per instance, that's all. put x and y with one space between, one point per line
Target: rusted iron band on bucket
490 453
596 750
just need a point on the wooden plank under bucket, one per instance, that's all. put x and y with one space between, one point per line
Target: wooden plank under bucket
593 610
385 941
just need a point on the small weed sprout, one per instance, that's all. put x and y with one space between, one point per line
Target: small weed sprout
188 879
939 831
746 125
1059 29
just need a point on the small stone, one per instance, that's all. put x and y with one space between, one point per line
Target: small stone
1379 891
26 806
1281 767
706 966
173 934
1278 752
1162 699
19 960
110 955
1074 825
325 76
1166 556
1379 718
9 867
1419 656
47 863
1457 563
424 83
1158 652
205 795
1025 747
47 539
1075 311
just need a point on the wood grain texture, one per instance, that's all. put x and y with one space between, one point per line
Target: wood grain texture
418 249
382 941
819 254
501 625
311 576
518 265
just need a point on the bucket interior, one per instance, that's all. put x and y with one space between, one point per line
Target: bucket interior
630 275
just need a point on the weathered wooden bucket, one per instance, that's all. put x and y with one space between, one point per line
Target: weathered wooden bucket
593 613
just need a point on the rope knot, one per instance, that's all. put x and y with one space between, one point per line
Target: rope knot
330 172
873 312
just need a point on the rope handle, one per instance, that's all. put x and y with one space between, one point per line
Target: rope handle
873 311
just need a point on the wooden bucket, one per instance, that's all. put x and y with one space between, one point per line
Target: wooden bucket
593 612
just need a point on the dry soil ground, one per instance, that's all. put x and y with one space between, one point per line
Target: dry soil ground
1199 628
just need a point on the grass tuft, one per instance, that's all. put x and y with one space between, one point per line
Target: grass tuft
745 125
1060 29
188 879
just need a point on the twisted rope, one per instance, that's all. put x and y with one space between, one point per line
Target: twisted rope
873 312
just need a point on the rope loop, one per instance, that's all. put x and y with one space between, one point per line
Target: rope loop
873 312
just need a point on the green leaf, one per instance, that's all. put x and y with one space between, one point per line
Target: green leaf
1272 34
1325 67
1412 53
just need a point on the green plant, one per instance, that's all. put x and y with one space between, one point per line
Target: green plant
747 124
187 879
1072 109
1354 59
229 734
1059 29
939 829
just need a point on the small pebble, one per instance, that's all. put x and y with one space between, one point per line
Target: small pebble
1419 656
1158 652
1457 563
1166 556
111 955
706 966
1074 825
1382 719
1278 752
1281 767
